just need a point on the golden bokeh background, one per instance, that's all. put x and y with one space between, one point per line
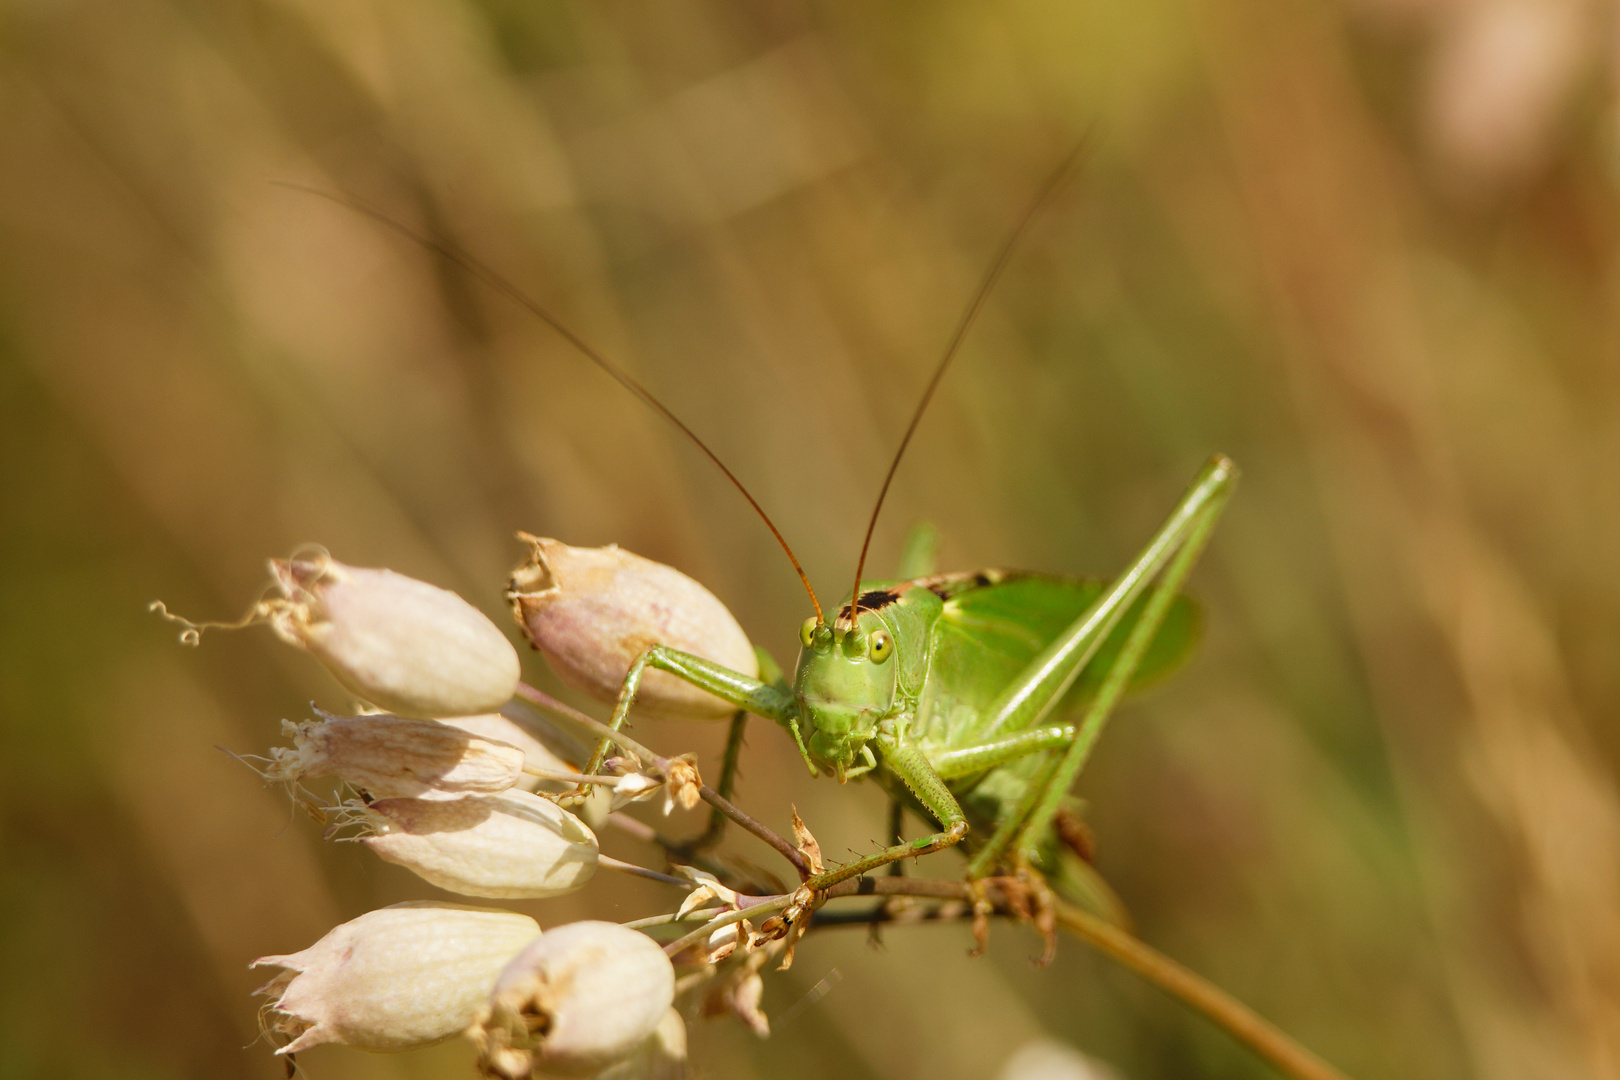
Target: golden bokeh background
1366 247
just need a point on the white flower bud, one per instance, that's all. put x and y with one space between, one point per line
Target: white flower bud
661 1057
1048 1059
537 754
592 611
581 999
508 845
395 979
401 644
391 757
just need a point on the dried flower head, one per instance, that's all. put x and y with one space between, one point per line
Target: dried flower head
393 757
592 611
581 999
395 979
401 644
507 845
740 995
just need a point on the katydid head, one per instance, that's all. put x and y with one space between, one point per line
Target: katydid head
845 684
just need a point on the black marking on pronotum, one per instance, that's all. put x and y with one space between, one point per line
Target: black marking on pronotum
872 600
946 586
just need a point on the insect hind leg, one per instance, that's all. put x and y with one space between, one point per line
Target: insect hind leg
1159 571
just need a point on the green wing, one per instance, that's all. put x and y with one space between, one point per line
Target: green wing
996 622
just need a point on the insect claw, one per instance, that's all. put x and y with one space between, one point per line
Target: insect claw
982 908
1048 931
1038 907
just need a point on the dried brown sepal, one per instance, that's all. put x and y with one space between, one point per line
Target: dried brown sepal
683 783
728 939
740 996
1075 834
791 924
708 889
805 842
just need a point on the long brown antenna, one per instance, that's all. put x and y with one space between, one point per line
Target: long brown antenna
968 318
489 276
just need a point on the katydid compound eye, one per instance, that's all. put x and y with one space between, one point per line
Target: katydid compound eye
807 632
879 646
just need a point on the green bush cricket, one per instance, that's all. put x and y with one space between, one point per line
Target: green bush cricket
945 688
951 690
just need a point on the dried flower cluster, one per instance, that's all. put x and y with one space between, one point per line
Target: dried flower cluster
438 771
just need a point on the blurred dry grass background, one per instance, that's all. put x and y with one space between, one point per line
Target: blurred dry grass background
1368 249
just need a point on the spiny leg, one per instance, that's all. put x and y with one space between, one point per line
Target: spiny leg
1028 699
893 905
967 760
981 868
1037 821
1164 565
912 768
1124 666
732 687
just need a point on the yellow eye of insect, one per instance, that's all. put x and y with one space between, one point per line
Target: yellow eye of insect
880 645
807 632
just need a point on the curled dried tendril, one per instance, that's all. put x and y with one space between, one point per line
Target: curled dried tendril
262 608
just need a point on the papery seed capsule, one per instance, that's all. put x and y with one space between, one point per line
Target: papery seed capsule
662 1056
401 644
581 999
394 757
592 611
537 753
508 845
395 979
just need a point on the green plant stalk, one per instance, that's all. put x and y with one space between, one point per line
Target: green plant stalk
1197 993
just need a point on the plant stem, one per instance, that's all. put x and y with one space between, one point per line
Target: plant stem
670 918
1239 1021
633 870
766 906
758 828
563 711
1194 991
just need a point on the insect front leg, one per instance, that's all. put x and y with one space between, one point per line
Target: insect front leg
1162 567
733 687
897 835
770 672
